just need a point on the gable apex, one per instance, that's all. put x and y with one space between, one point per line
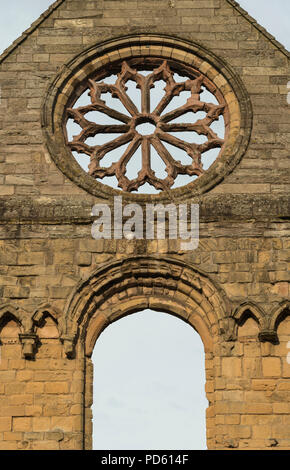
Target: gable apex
58 3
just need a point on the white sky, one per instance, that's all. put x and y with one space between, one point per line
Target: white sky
149 372
149 385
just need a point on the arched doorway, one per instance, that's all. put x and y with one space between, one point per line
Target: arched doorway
130 285
149 385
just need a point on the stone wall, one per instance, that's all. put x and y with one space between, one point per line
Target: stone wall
47 251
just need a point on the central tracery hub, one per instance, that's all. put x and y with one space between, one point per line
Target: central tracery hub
145 127
179 120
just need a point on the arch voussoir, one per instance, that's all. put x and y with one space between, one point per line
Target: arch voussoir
133 284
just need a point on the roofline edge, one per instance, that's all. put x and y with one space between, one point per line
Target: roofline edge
30 30
260 28
57 3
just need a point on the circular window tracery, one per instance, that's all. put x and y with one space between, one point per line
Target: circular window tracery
171 132
144 53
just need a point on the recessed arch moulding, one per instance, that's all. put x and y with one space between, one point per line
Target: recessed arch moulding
127 286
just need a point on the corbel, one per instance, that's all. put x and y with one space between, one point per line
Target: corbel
29 343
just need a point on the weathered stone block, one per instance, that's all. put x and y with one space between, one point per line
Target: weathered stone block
5 423
21 423
271 367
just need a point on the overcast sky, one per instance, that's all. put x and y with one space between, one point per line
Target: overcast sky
149 367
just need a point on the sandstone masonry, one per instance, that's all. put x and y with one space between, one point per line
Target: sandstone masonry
59 288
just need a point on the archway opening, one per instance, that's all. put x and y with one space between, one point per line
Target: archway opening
149 385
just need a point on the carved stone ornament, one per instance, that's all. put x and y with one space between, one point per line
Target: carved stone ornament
69 345
29 343
163 127
268 336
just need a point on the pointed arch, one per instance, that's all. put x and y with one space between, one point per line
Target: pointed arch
9 317
279 314
44 311
250 310
247 310
9 311
27 338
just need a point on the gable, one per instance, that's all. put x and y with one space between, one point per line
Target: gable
58 4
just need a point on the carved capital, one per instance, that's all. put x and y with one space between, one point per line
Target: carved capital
268 335
69 345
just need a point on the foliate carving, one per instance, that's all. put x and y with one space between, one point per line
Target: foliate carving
162 122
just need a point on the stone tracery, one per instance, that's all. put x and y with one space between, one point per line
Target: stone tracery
162 122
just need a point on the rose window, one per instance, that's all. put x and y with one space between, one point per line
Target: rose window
147 123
